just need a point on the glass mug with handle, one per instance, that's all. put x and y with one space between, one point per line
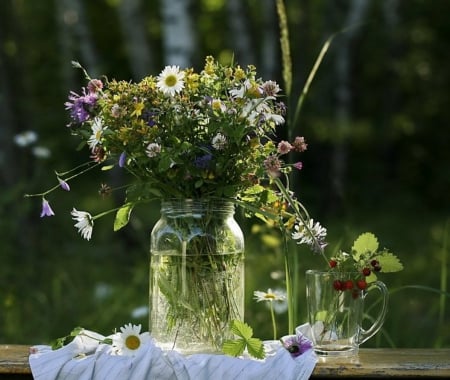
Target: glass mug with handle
335 303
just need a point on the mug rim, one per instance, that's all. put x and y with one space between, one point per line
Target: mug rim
323 272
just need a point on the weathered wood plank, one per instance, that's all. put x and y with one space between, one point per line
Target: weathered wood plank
370 363
381 363
14 359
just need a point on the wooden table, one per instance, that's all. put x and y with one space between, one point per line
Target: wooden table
369 364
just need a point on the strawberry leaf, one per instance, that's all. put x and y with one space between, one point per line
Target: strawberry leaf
364 243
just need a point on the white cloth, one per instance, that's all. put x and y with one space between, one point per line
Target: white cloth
85 359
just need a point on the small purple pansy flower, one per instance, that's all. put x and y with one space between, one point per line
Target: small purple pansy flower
296 344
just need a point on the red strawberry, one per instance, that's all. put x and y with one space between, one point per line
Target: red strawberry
333 263
349 284
338 285
361 284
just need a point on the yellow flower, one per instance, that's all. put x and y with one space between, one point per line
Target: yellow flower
138 107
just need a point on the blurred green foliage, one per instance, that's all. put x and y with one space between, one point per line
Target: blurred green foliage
395 177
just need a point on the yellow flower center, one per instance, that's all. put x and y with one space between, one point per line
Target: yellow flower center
270 296
132 342
171 80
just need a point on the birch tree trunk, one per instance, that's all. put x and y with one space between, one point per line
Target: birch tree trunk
133 29
270 46
179 40
339 163
74 38
11 89
243 47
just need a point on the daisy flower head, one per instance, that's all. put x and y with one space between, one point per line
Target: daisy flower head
97 132
171 80
130 340
85 223
269 296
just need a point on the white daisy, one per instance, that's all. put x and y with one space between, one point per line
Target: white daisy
85 223
170 81
269 296
97 132
129 340
240 92
25 138
153 149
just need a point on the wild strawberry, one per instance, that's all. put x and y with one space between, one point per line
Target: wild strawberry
338 285
361 284
366 272
374 263
348 284
332 263
377 268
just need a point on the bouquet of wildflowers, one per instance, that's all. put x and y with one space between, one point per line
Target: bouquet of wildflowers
184 134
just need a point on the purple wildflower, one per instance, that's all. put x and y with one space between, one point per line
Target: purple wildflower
284 147
46 209
202 162
298 165
149 117
299 144
80 105
273 165
296 344
64 185
122 159
95 85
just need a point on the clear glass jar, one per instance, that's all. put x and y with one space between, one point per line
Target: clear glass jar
196 275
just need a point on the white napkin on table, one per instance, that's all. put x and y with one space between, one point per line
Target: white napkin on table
85 359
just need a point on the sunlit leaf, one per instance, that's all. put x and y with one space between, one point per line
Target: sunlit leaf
234 347
389 262
123 216
366 242
255 348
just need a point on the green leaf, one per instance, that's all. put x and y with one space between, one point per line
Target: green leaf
234 347
255 189
241 329
255 348
165 163
389 262
364 243
123 216
65 340
107 167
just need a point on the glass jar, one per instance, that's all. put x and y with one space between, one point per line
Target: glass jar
196 275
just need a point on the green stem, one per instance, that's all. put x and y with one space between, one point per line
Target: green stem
274 325
43 194
289 297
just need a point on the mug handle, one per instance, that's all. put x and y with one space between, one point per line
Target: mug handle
376 326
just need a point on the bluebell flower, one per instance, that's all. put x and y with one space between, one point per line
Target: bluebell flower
202 162
46 209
